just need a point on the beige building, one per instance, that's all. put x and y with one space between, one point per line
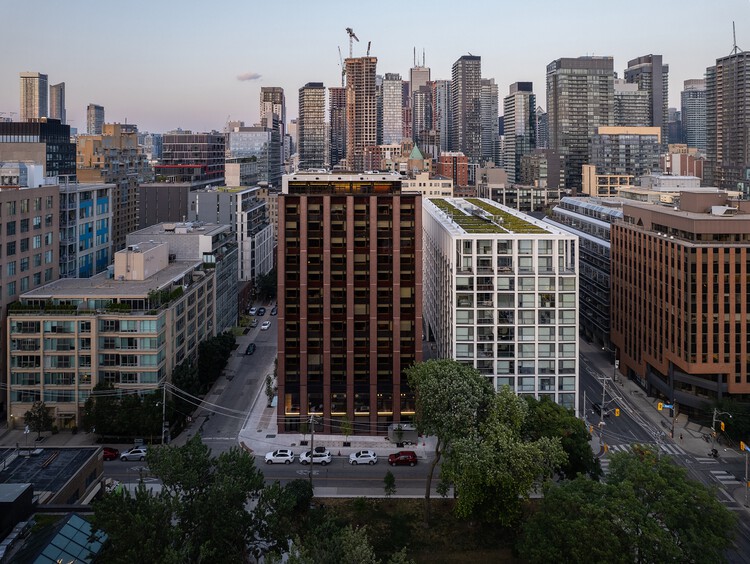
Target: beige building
115 158
271 197
603 185
430 186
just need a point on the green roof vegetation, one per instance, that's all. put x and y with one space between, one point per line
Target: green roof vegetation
469 223
511 222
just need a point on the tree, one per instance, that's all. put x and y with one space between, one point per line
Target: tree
389 484
270 391
495 469
266 284
199 516
38 419
279 513
648 510
452 399
347 427
549 419
330 543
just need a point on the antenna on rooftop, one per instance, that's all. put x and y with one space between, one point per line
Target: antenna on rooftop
735 49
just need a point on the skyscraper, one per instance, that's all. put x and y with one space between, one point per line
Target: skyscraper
337 120
542 128
441 114
361 109
728 123
519 116
57 102
490 132
311 132
392 109
466 107
33 96
632 105
94 119
652 76
693 99
272 101
579 99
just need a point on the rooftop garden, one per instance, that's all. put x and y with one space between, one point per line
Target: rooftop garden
511 222
469 223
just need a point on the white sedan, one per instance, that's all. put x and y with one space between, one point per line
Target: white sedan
320 457
363 457
281 456
265 326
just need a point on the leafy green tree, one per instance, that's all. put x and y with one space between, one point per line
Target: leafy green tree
330 543
452 399
266 285
549 419
213 355
648 510
389 483
495 468
279 514
347 428
38 419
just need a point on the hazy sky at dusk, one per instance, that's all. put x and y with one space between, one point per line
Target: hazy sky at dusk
168 63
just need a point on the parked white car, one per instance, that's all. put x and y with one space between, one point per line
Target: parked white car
363 457
135 453
265 326
320 457
280 456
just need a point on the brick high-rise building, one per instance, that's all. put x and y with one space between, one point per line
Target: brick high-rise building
361 109
350 300
454 165
680 285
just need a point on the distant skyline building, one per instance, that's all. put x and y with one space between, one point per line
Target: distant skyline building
490 133
632 151
361 109
337 124
441 114
392 109
263 144
466 107
652 76
34 96
728 123
579 99
631 105
311 126
94 119
57 102
273 106
693 98
542 128
519 117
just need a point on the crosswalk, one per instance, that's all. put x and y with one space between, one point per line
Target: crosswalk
725 478
674 450
706 460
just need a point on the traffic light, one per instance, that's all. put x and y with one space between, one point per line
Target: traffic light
591 429
742 445
660 406
606 447
722 425
617 412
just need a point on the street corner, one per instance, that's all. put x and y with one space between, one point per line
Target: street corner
246 448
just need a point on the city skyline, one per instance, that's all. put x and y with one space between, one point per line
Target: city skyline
170 74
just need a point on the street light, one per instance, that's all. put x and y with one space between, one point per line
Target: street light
713 426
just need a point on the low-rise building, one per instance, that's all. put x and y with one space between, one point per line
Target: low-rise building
428 186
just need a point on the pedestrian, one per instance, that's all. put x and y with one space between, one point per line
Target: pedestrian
680 437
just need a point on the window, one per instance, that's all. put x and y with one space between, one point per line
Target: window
10 248
47 239
37 222
36 242
12 268
37 204
25 225
48 220
49 203
11 289
24 245
25 205
47 257
25 284
24 264
38 259
37 277
10 228
10 208
48 275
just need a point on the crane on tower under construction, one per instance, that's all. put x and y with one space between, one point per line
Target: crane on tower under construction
343 68
352 37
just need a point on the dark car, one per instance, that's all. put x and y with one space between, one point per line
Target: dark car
261 311
597 407
111 453
403 458
274 310
250 348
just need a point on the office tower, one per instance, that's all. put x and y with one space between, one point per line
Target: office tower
94 119
466 107
693 115
632 106
520 122
261 143
675 127
312 126
419 102
652 76
501 293
337 120
44 141
441 115
632 151
193 157
419 76
454 165
407 116
34 94
350 301
392 101
361 109
728 123
115 158
542 128
490 134
579 99
679 297
57 102
129 328
273 103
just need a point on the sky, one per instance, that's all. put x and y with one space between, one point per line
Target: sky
195 63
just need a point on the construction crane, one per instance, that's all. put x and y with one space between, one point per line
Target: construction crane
343 68
368 47
352 37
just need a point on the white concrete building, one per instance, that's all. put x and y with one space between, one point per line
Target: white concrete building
501 294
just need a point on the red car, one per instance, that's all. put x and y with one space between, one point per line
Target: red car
401 458
111 453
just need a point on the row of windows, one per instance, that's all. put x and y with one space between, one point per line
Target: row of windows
27 204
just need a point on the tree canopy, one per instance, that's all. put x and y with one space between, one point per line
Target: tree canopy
38 418
647 510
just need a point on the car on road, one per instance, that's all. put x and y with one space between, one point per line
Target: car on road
253 323
110 453
403 458
250 348
597 407
274 310
320 457
280 456
252 311
265 326
261 311
363 457
135 453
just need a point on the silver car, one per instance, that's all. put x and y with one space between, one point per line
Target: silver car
280 456
135 453
363 457
320 457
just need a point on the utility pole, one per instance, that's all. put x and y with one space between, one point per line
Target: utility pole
164 431
312 448
601 412
713 426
